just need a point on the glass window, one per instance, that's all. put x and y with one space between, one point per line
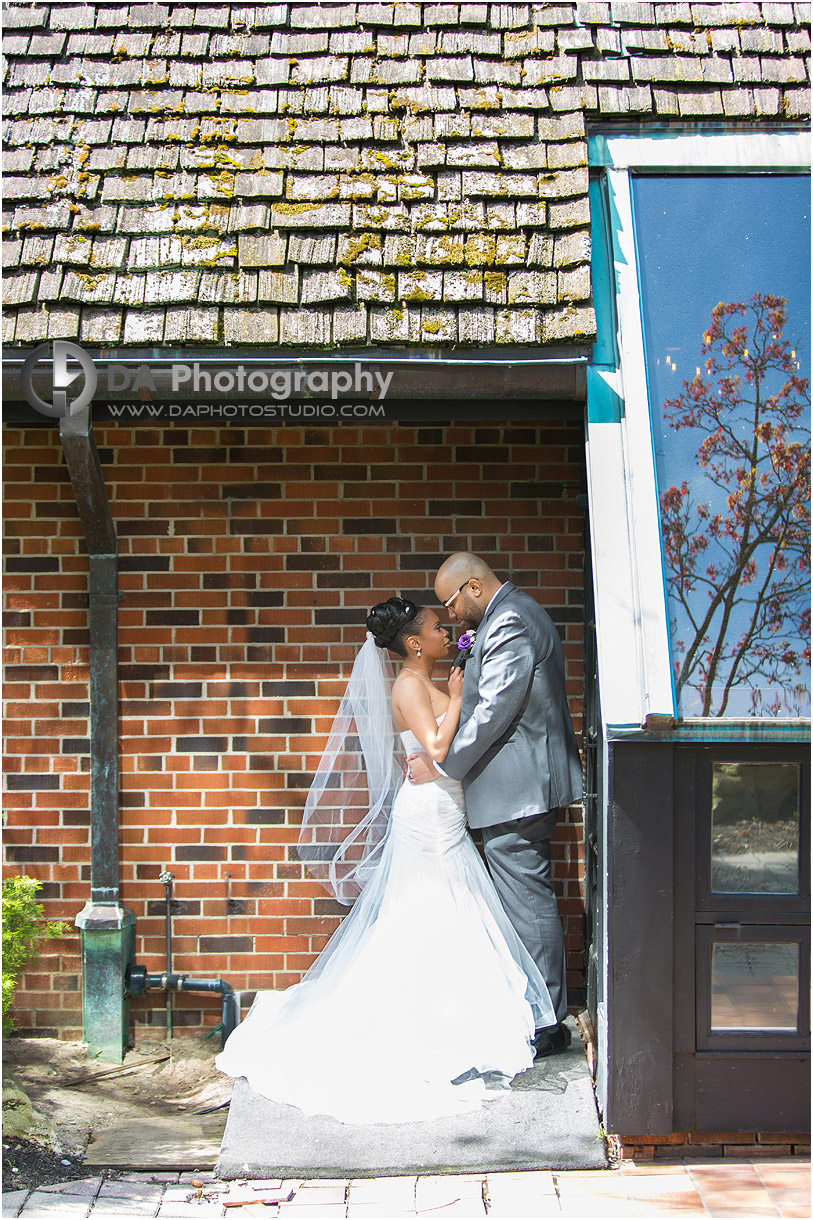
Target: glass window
724 272
755 828
754 986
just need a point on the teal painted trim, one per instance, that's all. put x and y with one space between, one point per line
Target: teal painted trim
605 349
604 405
598 154
739 732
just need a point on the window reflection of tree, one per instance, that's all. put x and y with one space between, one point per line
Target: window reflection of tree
736 538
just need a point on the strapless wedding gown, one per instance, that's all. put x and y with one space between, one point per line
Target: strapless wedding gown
423 983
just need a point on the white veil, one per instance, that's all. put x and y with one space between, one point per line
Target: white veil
347 812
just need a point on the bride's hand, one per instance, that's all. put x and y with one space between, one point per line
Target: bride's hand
456 683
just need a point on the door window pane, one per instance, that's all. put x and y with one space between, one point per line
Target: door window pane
754 986
724 266
755 828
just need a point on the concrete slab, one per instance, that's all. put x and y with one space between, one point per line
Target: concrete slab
13 1201
547 1121
522 1196
62 1207
132 1192
76 1186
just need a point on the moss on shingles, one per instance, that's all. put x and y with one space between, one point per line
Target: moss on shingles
294 209
223 156
356 245
432 326
223 183
91 282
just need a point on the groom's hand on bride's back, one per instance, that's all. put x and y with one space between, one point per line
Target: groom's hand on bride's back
420 769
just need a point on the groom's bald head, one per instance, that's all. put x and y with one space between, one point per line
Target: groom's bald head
463 565
463 568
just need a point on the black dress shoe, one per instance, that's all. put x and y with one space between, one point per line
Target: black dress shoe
554 1040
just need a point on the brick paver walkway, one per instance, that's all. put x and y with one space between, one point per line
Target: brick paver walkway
758 1188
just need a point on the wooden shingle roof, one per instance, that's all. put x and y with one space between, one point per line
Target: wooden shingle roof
343 174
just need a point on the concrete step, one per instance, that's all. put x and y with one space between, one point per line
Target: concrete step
547 1121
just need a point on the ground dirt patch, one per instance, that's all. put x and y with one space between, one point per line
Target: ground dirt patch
83 1096
28 1166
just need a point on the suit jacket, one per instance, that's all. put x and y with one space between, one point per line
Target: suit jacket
515 751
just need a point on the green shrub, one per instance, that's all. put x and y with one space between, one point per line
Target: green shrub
22 931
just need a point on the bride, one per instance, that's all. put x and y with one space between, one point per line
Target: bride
424 1000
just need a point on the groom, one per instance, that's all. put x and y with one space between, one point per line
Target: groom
516 755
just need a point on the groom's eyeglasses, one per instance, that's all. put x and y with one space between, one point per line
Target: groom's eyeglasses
447 605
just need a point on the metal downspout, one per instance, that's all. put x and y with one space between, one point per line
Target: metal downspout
107 928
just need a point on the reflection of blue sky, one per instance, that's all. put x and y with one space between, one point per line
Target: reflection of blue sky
702 240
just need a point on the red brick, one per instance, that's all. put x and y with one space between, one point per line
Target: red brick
653 1139
187 798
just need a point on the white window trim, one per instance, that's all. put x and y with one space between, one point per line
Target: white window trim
635 668
747 151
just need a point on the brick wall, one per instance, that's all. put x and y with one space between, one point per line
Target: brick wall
248 561
728 1144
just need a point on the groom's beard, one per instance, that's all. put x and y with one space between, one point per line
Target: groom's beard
471 617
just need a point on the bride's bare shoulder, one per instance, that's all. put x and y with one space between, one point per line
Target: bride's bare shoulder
411 692
408 687
407 691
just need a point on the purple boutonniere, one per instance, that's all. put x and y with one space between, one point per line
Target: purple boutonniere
464 645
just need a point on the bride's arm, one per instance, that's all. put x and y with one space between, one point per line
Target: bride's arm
411 702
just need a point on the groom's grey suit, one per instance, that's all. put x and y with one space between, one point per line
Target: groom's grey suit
516 755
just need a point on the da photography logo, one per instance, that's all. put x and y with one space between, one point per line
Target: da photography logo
62 376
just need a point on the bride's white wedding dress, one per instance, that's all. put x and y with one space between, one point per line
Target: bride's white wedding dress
425 981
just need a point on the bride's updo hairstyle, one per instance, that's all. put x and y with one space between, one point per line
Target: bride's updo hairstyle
391 621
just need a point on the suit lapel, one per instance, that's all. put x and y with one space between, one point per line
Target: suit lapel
472 672
482 627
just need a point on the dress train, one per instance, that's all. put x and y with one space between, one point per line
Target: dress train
423 983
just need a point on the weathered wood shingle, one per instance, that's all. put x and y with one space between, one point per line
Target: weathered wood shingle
344 173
